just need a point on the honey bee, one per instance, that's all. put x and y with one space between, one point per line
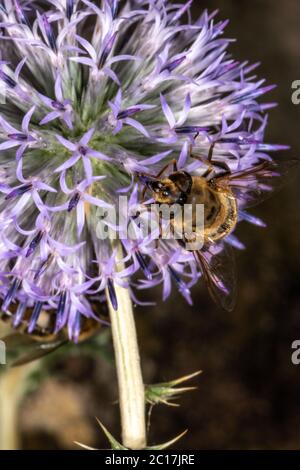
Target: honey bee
221 195
43 340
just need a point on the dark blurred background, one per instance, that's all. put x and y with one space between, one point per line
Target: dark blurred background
248 396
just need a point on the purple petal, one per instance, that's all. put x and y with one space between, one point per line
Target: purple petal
74 201
80 217
97 202
111 74
58 89
45 187
112 294
181 11
7 80
50 117
186 110
170 66
156 158
137 125
69 163
68 119
65 250
88 47
83 60
19 68
7 127
167 112
26 120
118 99
19 191
107 49
10 294
63 184
19 206
49 33
122 57
87 137
34 243
66 143
88 168
99 155
9 144
69 9
34 317
20 152
183 155
18 317
60 313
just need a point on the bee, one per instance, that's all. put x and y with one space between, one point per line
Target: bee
221 195
43 340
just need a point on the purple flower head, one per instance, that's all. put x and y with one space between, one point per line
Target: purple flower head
106 101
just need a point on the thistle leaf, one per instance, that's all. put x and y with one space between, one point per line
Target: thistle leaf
165 392
84 446
115 445
165 445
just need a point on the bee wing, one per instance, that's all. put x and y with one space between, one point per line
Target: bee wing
219 273
257 184
22 349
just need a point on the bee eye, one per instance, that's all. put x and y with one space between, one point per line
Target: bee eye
166 193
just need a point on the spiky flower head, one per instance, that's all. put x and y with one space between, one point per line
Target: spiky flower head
94 94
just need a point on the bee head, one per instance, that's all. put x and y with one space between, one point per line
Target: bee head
171 190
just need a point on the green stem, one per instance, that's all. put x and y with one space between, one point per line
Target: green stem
131 387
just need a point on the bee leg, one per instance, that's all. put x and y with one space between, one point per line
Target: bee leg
211 152
209 156
202 160
221 165
224 167
209 174
210 171
207 161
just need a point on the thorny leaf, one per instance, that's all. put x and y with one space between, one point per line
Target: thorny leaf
167 391
167 444
115 445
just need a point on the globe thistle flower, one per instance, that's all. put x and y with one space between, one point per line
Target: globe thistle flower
96 96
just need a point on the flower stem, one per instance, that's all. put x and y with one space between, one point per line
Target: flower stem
131 387
13 385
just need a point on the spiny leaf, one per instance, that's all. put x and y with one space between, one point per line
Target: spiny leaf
185 378
166 391
115 445
84 446
167 444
